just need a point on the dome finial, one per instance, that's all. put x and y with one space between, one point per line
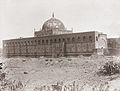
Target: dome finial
53 14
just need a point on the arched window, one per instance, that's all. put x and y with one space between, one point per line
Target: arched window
54 40
78 38
46 41
90 38
50 40
59 40
42 41
96 38
109 45
35 42
84 38
39 42
68 39
21 43
73 39
63 40
25 43
31 42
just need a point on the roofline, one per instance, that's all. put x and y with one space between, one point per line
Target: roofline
52 35
114 38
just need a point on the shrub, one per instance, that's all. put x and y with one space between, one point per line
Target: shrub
25 73
23 60
109 68
50 60
46 59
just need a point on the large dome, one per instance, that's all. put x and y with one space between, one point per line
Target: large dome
53 24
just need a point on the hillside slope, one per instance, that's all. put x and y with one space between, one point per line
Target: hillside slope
36 72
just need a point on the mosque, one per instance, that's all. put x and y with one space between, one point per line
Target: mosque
54 40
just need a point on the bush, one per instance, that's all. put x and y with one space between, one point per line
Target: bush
110 68
25 73
46 59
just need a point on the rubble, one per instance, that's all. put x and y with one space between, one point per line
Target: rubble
36 73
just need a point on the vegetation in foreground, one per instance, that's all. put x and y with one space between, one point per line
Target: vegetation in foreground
109 68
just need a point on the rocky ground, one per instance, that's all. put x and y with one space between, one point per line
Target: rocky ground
44 74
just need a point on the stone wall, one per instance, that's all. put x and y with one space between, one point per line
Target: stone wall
55 46
113 46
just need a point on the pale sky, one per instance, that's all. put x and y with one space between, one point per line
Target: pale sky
18 18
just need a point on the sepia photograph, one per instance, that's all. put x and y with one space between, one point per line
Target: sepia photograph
59 45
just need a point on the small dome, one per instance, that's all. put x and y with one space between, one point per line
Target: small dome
53 24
